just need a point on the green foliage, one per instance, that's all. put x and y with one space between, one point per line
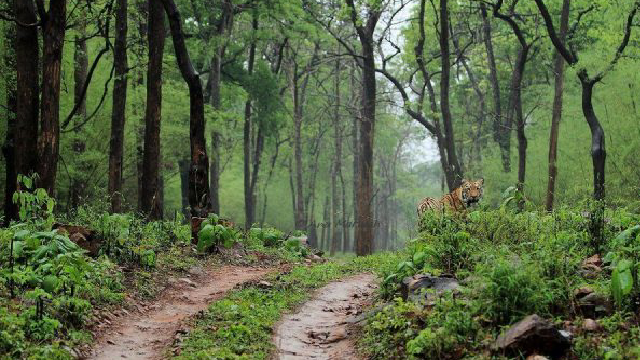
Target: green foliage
213 235
624 259
34 205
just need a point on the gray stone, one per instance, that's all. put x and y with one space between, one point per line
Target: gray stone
427 288
532 335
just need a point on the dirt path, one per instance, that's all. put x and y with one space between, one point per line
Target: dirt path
147 335
320 330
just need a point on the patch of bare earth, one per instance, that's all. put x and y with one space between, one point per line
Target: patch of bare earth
321 329
149 334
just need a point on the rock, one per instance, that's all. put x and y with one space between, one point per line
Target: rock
411 287
593 305
582 292
196 271
84 237
537 357
590 325
595 260
187 281
532 335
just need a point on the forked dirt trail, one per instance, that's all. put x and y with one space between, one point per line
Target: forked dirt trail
148 335
320 329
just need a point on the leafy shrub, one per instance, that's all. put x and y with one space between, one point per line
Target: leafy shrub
624 259
513 289
211 236
269 237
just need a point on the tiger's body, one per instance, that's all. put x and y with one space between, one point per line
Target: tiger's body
459 199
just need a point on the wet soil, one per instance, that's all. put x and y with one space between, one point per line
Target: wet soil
322 328
148 335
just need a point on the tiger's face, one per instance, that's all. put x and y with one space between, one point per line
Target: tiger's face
471 191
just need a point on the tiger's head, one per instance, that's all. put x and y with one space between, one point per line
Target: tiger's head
471 191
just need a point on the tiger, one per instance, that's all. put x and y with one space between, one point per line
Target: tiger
459 199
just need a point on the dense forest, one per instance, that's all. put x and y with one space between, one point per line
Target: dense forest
297 138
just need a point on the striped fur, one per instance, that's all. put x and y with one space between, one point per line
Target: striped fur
459 199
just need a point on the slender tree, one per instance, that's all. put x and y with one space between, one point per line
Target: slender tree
118 111
558 71
199 170
588 82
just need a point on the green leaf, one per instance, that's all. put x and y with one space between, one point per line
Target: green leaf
49 283
418 259
206 238
622 281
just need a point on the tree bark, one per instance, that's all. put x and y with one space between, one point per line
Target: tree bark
248 194
9 146
336 201
300 218
556 116
118 112
215 100
184 166
199 170
150 204
53 28
27 57
445 107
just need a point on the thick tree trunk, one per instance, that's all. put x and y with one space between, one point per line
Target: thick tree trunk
27 97
356 160
256 169
199 170
495 87
364 193
9 146
558 69
118 112
53 28
150 199
445 108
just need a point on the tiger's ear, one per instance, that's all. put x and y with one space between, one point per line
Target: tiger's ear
480 182
464 181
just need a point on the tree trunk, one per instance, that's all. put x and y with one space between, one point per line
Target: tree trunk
118 112
9 146
558 69
142 7
183 166
150 204
445 108
495 87
598 156
515 109
256 169
336 173
199 170
27 97
356 158
248 194
214 76
53 28
300 223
